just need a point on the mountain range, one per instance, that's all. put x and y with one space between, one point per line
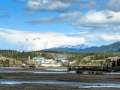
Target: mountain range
114 47
82 46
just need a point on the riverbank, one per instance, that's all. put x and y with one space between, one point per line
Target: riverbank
28 68
47 87
61 77
26 76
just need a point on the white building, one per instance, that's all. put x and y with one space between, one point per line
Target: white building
50 63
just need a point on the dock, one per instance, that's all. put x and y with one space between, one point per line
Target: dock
80 69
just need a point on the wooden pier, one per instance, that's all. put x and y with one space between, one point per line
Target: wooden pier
80 69
113 66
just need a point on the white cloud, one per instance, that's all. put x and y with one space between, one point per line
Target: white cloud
112 37
99 38
56 5
72 1
64 17
47 5
62 5
23 40
36 41
99 19
91 19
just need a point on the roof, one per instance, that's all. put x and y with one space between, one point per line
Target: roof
38 58
59 59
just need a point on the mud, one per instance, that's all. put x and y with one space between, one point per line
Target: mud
108 78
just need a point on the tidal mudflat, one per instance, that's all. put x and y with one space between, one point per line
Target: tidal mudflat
52 81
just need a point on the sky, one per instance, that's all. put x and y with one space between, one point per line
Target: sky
42 24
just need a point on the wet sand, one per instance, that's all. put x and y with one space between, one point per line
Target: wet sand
47 87
56 77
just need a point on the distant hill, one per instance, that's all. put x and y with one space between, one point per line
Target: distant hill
82 46
114 47
68 48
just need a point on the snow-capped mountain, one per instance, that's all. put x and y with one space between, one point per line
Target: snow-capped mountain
114 47
82 46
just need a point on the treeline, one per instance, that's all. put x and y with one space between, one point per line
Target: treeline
16 54
47 54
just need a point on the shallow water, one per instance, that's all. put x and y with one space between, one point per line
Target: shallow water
57 69
49 71
112 73
79 84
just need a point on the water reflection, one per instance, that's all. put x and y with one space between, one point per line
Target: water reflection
49 71
79 84
112 73
54 72
57 69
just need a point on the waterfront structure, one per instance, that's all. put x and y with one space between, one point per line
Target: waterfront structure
109 59
50 63
59 59
114 61
38 59
56 62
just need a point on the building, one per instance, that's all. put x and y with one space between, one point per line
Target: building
115 61
59 59
56 62
50 63
38 59
110 59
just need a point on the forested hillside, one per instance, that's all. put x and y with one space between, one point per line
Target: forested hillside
77 57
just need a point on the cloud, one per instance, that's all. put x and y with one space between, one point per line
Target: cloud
100 19
91 19
73 1
35 40
64 17
96 25
46 5
24 40
92 4
53 5
99 38
112 37
62 5
113 5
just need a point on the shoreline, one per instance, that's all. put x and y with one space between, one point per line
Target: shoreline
111 78
37 68
55 77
